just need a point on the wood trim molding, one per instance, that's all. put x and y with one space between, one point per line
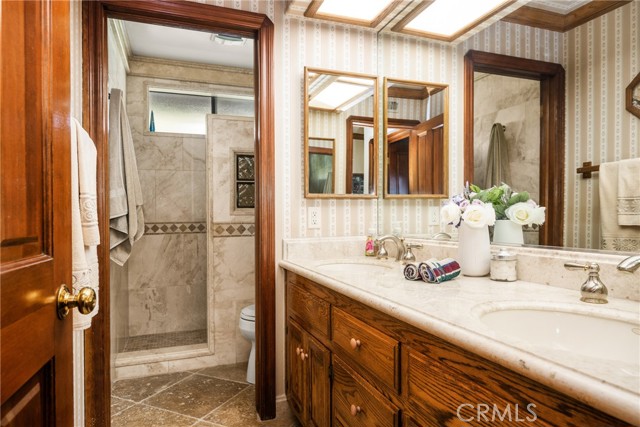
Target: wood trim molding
552 147
540 18
210 18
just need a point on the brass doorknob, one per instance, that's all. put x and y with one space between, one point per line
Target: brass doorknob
85 300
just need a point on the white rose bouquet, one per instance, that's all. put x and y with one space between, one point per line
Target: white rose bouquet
462 207
479 208
511 205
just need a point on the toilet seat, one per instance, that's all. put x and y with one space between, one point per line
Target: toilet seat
249 313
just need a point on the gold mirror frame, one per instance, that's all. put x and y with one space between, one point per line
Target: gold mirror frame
409 126
347 136
633 102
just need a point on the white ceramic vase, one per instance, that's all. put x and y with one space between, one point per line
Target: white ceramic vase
474 250
507 231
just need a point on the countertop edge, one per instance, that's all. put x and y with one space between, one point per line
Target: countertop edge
620 403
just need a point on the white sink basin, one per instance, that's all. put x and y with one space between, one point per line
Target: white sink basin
608 336
353 268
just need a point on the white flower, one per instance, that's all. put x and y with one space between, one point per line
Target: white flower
479 215
450 214
522 213
538 215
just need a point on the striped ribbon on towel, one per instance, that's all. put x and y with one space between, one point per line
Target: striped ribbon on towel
432 270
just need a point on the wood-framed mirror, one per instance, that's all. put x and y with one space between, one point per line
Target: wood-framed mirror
416 139
340 108
632 96
549 81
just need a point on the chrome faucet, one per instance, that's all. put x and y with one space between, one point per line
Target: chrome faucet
592 290
399 242
630 264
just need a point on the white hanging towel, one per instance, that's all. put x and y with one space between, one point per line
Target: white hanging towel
629 192
85 233
614 236
126 221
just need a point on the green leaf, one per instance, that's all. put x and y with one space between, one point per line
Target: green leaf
523 196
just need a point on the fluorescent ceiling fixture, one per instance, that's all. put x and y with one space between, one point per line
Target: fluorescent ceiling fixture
447 17
359 10
337 94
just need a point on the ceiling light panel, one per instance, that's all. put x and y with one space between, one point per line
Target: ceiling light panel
337 94
356 10
445 18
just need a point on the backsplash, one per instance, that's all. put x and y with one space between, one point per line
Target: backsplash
536 265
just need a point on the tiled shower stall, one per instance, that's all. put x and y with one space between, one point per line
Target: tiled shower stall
176 303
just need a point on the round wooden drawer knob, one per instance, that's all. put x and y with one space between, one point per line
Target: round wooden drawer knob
298 350
354 343
303 356
355 410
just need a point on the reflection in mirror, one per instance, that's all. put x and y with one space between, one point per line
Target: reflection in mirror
508 91
321 165
340 134
416 139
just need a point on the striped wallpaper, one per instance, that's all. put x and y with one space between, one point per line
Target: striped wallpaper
600 57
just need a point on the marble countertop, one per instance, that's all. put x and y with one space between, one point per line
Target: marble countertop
451 311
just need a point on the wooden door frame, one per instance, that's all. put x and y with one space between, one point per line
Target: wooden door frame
552 119
200 17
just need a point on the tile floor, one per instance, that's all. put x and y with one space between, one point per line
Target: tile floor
214 397
169 339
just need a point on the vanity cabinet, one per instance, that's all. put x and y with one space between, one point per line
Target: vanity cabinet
308 377
362 367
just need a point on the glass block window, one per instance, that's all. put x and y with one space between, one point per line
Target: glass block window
245 181
174 112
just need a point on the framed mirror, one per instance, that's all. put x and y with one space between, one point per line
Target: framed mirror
632 96
416 142
340 134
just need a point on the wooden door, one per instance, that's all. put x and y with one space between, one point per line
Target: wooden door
35 246
426 151
399 167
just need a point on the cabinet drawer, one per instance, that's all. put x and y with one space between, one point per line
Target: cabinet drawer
373 351
450 387
311 311
356 404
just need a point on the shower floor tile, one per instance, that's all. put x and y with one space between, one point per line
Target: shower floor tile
213 397
168 339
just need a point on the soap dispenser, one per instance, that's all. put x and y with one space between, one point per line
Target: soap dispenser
369 246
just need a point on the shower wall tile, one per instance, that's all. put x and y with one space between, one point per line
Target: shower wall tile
195 261
233 263
148 186
227 135
174 197
194 153
199 192
157 261
160 153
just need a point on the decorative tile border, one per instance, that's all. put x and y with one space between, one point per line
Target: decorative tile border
175 227
221 229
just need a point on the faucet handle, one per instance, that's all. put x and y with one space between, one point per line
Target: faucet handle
591 267
382 251
592 290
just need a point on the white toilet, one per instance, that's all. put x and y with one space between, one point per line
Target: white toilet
248 330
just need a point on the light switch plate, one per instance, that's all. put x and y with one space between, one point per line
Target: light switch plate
313 218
